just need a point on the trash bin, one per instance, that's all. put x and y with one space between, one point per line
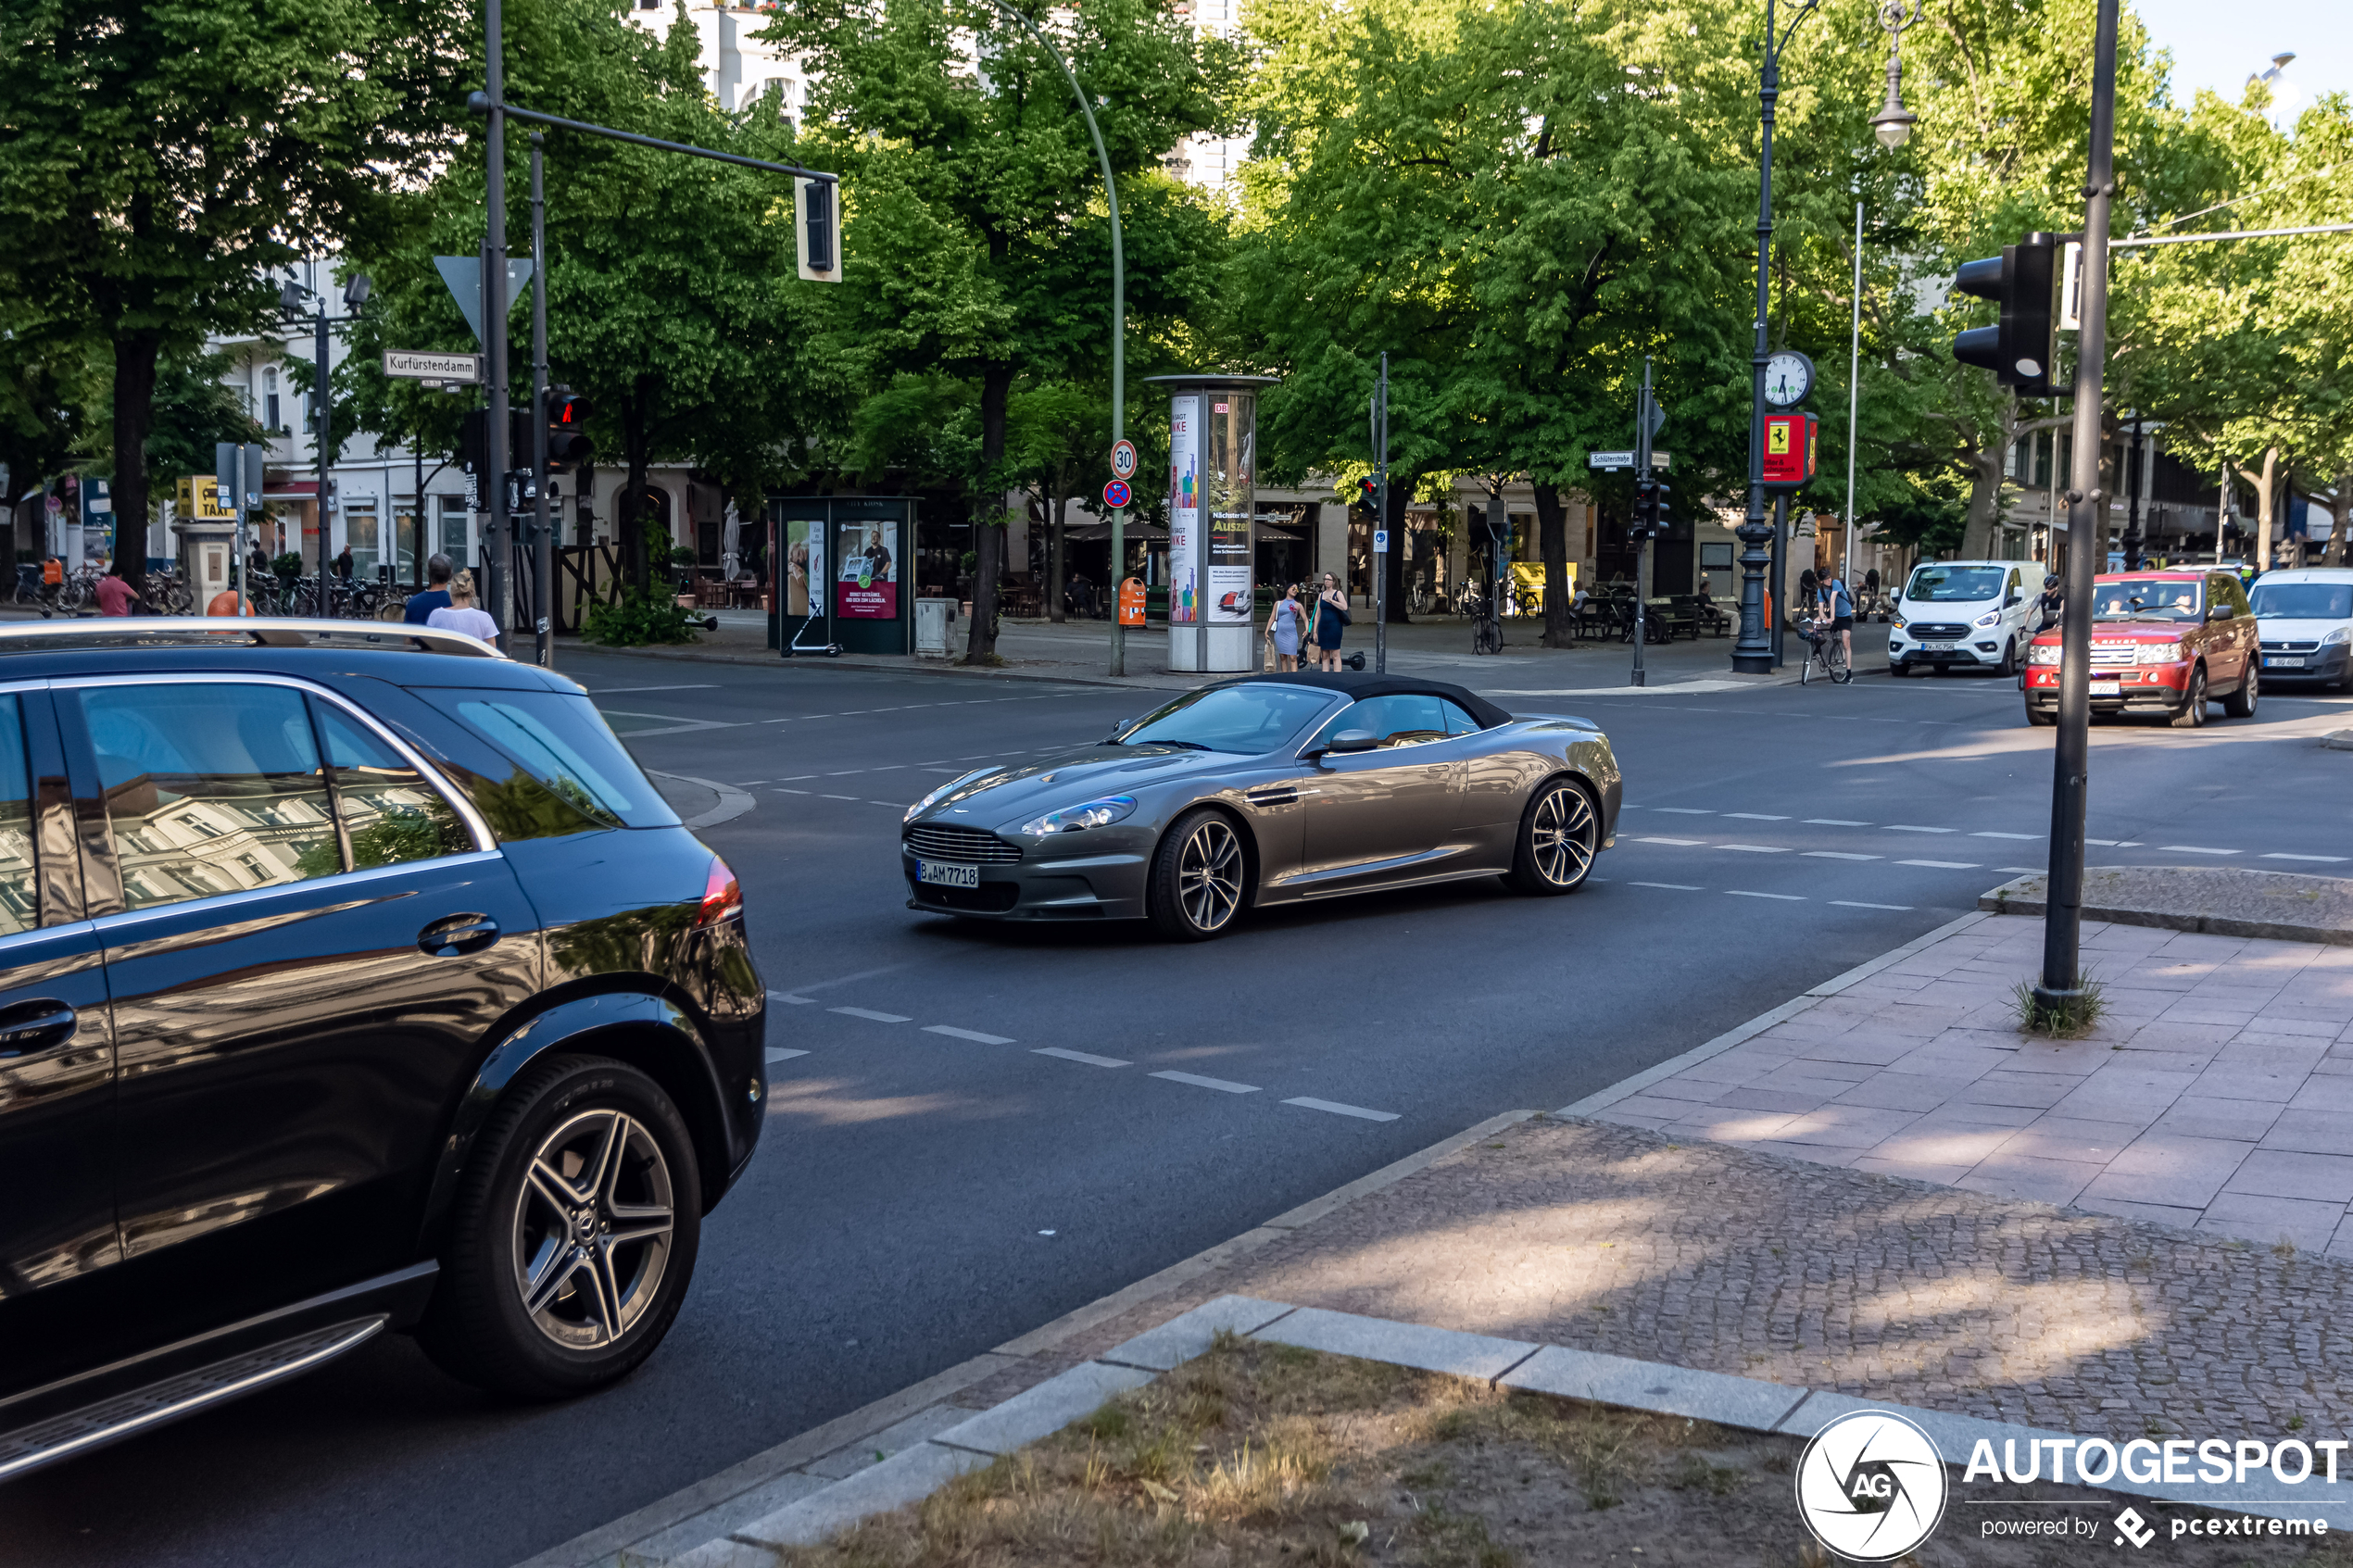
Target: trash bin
931 627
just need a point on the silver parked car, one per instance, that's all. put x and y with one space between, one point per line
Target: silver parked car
1272 789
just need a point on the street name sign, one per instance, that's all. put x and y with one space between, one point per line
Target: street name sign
423 365
1612 461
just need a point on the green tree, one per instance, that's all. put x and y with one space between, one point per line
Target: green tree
161 159
193 409
976 235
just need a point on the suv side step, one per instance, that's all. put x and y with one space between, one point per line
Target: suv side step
93 1426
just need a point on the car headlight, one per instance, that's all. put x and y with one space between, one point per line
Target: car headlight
1896 620
2159 653
2043 652
1991 617
2342 635
1071 818
929 801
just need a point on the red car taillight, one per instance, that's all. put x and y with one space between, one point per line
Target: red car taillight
721 899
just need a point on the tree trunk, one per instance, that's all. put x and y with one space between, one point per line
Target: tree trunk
1985 498
1056 572
2343 511
989 532
1393 606
636 564
2263 510
1551 530
135 398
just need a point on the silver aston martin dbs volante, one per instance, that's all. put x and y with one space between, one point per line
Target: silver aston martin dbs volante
1269 790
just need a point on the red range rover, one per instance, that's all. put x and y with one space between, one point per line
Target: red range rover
2163 642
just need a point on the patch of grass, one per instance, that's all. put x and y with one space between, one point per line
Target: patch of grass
2070 1018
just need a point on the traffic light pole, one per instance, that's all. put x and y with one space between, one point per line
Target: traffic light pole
1381 518
1644 517
493 309
2061 989
323 432
543 555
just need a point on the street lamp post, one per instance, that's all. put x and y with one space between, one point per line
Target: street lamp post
323 419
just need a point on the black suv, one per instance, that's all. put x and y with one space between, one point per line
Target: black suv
349 980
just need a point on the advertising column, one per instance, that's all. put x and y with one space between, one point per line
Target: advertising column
1185 573
1229 456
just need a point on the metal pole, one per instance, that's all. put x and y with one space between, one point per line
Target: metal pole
543 554
2062 980
1643 548
1380 520
2132 512
493 309
1780 575
417 550
1753 655
323 432
1854 400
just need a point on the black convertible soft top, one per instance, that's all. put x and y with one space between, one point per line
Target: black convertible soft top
1357 688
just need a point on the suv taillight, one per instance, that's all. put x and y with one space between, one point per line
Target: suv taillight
721 899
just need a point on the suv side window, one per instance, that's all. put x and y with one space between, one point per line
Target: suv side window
210 788
389 813
2231 591
20 890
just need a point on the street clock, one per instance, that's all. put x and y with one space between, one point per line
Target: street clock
1789 378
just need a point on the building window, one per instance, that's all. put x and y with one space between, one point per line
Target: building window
270 397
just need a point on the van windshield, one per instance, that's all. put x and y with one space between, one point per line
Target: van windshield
2303 601
1936 584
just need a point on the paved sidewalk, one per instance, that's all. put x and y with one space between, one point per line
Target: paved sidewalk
2214 1095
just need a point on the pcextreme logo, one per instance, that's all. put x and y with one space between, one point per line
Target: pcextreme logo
1872 1485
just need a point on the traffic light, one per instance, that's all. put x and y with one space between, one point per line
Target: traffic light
1369 493
817 232
567 430
2020 349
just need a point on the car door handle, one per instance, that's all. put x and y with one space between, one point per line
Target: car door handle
35 1027
458 934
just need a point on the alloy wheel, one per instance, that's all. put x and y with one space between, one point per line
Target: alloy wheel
592 1229
1209 876
1561 835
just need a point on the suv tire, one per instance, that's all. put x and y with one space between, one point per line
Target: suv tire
2192 713
580 1150
2241 703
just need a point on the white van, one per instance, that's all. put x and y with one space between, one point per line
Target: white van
1972 614
2305 616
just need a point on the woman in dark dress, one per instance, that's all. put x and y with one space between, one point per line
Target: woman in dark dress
1331 615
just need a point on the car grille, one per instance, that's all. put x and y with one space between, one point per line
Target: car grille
1928 633
2291 647
950 843
2116 653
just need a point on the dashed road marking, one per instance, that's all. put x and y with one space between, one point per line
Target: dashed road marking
799 1001
2026 835
1942 865
870 1013
1837 855
1224 1085
1687 842
1670 887
2331 858
1338 1110
1757 816
1784 897
2022 870
2192 849
1853 903
974 1035
1833 822
1754 848
778 1053
1914 827
833 796
1684 810
1079 1056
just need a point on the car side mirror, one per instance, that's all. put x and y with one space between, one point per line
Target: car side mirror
1354 740
2219 612
1117 727
2014 601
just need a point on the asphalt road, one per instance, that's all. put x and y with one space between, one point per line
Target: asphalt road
936 1180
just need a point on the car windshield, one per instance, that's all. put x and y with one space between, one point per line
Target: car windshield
2303 601
2147 599
1250 718
1938 585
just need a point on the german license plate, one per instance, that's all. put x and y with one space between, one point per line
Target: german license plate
2112 686
940 873
1938 648
2294 663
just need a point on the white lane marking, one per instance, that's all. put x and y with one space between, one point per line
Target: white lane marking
795 778
845 772
2116 843
775 1055
1686 842
1833 822
1338 1110
1784 897
2192 849
1757 816
974 1035
869 1012
1836 855
616 691
2025 836
750 783
783 791
1852 904
833 796
2275 856
1910 827
798 1001
1078 1056
894 805
1941 865
1685 811
2023 871
1754 848
1670 887
1224 1086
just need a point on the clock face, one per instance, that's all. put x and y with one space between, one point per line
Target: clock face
1789 376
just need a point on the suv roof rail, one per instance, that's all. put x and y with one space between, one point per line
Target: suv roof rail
150 630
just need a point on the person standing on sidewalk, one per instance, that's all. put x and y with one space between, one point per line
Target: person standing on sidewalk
435 597
115 596
1286 629
459 614
1331 618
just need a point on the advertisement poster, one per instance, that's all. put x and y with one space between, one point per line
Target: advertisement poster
1184 510
867 585
1227 479
804 563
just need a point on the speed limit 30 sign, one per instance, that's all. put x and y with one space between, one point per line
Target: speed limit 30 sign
1122 459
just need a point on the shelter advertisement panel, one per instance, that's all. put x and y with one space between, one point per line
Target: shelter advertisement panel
1184 510
867 588
804 563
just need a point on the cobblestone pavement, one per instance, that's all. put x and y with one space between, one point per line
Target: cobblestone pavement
2214 1094
1618 1238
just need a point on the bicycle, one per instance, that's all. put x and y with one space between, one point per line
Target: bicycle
1487 631
1822 648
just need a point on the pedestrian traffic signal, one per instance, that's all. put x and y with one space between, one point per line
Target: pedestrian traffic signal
1369 493
568 442
816 232
2021 348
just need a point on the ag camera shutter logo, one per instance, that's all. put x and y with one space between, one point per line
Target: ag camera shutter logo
1872 1485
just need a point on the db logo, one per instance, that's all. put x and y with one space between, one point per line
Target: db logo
1872 1485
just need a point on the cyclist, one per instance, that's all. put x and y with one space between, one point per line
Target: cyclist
1839 606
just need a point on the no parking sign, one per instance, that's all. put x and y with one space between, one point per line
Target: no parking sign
1116 494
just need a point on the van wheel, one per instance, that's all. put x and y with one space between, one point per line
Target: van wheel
2008 667
2192 713
2241 703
